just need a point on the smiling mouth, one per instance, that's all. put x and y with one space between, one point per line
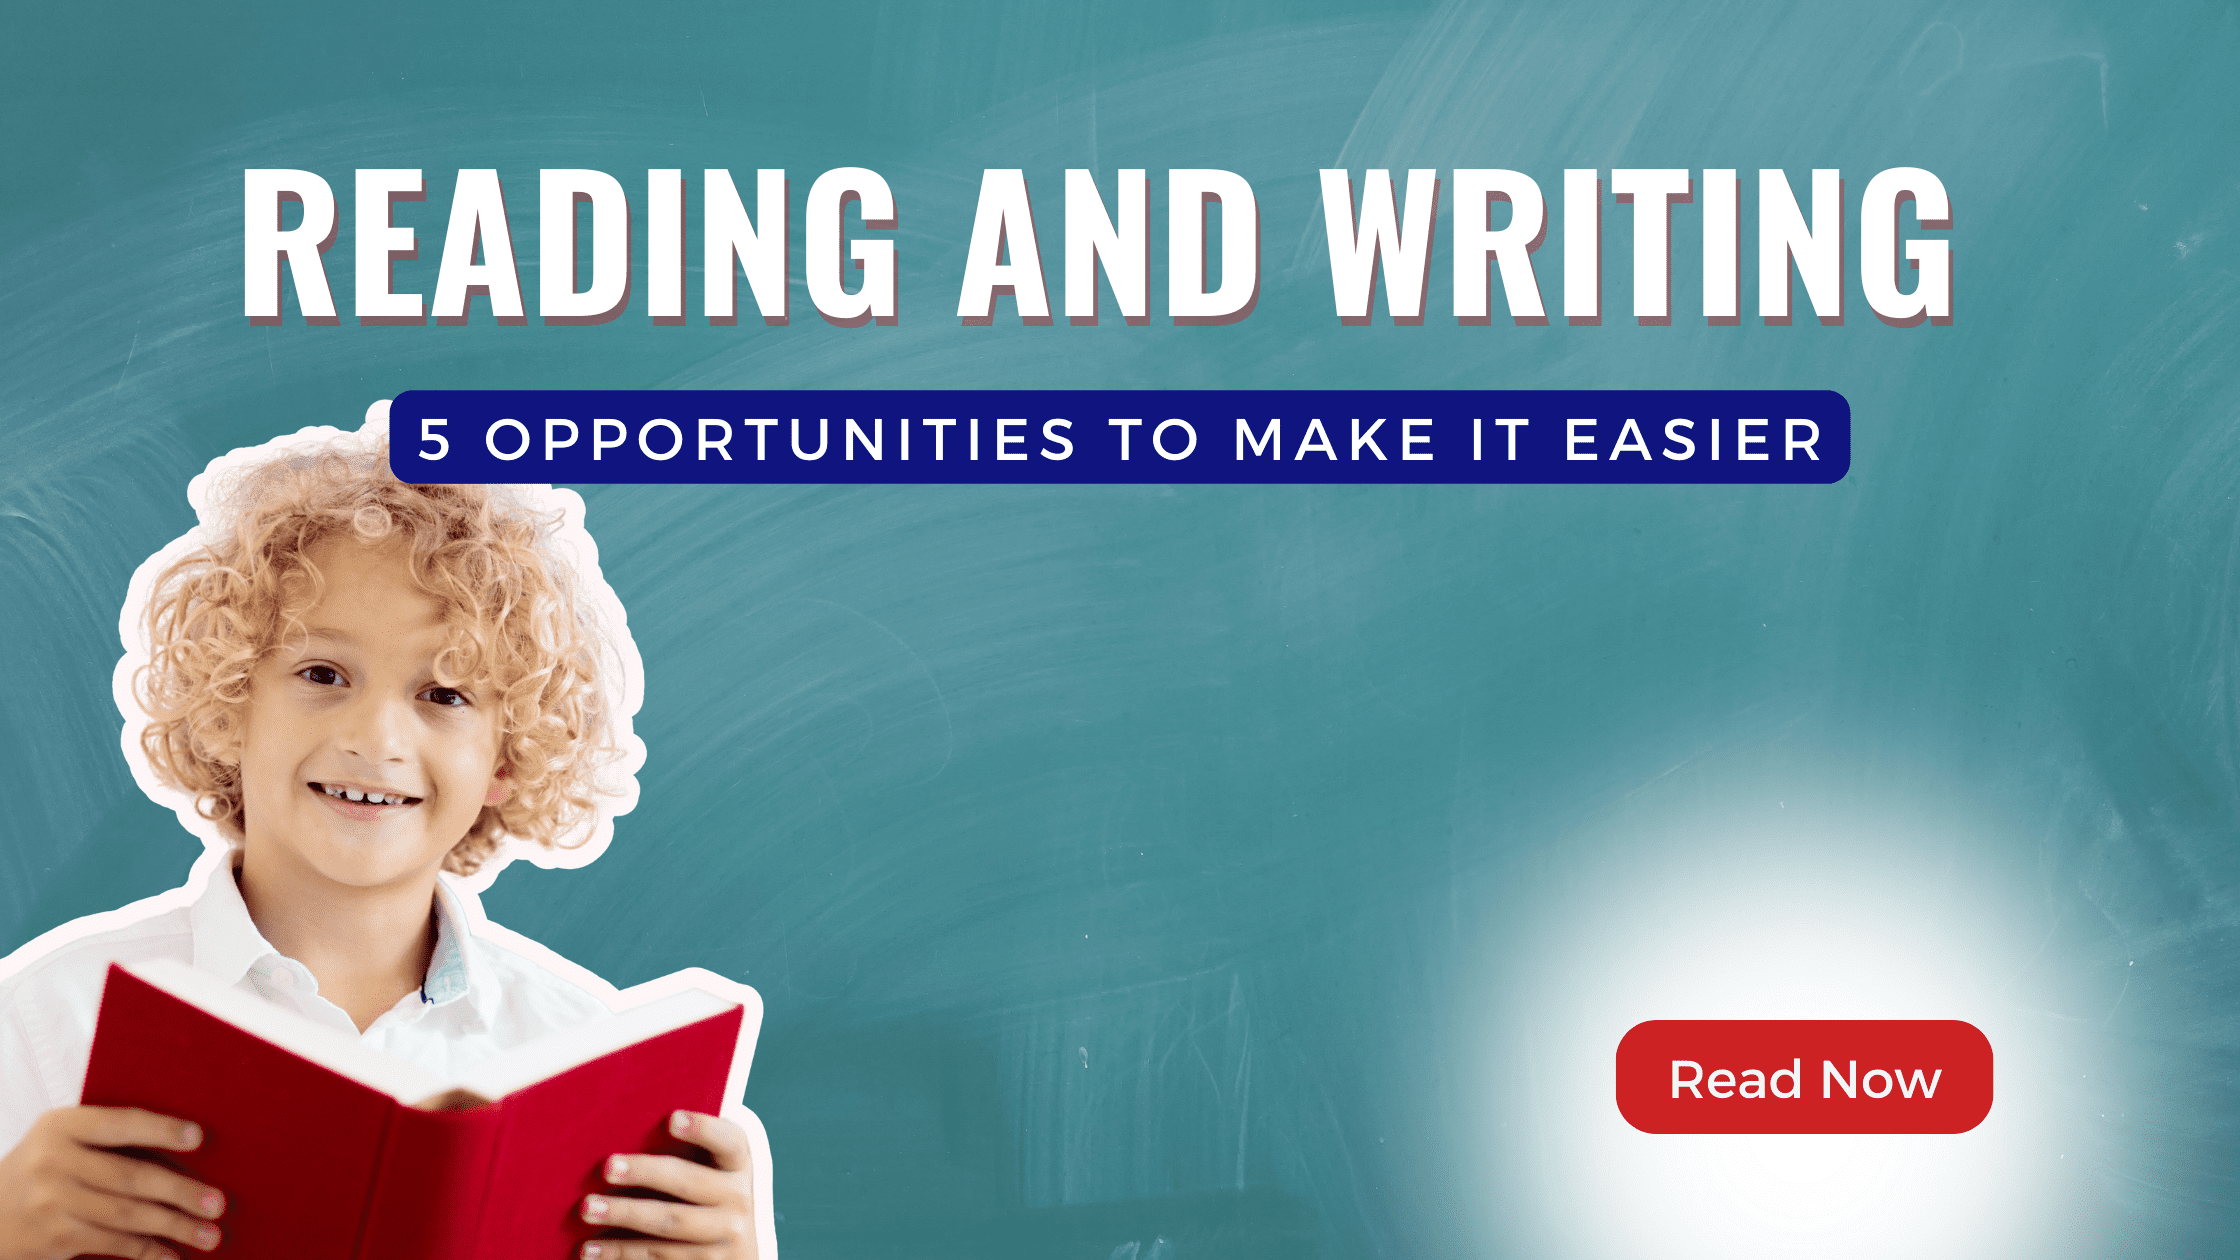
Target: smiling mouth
359 796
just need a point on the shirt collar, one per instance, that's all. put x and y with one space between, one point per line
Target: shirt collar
453 969
226 940
227 943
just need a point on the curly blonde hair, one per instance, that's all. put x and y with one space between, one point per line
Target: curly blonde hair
515 629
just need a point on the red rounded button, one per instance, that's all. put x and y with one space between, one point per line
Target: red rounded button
1804 1076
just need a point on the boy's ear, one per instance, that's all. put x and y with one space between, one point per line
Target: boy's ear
501 787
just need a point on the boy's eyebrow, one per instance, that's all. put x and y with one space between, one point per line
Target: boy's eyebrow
324 632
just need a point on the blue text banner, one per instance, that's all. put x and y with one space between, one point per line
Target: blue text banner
1367 437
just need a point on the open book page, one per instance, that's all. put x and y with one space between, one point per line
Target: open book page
676 1002
551 1055
330 1048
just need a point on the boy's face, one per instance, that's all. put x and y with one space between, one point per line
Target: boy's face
353 706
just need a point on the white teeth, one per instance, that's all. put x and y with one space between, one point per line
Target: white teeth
359 794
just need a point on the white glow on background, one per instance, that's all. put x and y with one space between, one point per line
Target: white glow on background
1772 929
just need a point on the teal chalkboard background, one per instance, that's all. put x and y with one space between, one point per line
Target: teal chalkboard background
1137 873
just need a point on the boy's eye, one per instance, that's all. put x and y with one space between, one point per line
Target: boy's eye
323 675
445 696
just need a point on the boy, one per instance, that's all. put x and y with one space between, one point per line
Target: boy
358 685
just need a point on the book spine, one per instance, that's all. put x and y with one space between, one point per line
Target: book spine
373 1185
431 1185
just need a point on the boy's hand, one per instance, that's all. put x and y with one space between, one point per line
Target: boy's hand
62 1195
716 1219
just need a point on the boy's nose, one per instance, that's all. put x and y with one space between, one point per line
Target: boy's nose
376 728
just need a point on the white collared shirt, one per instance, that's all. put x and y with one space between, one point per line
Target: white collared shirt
487 990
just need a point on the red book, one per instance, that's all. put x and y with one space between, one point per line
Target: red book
329 1150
